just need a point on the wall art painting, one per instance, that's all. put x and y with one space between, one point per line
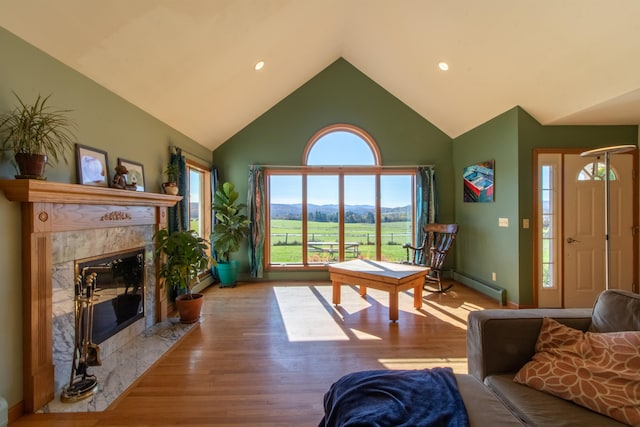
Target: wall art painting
479 182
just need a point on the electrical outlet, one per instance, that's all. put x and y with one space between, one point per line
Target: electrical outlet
503 222
493 276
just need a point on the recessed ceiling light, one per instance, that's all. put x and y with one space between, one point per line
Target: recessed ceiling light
259 65
443 66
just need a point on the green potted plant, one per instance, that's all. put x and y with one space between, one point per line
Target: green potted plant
36 134
231 228
185 256
171 185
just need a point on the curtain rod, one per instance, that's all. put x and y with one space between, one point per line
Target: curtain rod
173 148
344 166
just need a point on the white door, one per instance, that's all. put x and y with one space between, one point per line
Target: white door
584 227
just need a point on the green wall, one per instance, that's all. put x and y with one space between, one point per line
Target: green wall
338 94
482 247
509 139
105 121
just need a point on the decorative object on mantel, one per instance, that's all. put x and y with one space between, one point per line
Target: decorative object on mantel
171 185
91 166
134 178
36 134
231 228
82 384
186 257
120 179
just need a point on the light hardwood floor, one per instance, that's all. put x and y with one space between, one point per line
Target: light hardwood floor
264 354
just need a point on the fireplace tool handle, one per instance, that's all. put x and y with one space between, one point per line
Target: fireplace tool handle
93 350
81 384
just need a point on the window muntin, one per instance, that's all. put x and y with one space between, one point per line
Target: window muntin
325 213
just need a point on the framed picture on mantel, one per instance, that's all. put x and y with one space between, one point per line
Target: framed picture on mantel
135 173
92 167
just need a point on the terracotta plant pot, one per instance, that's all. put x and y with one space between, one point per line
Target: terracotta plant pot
189 309
31 166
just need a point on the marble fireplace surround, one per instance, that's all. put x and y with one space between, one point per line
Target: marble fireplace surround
53 215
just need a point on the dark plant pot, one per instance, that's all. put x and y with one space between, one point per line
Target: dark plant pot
228 272
189 309
31 166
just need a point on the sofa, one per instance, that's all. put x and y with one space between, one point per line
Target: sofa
501 342
504 346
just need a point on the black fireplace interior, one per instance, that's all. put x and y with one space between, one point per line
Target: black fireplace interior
118 291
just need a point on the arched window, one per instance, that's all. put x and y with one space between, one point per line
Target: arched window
595 171
341 204
341 145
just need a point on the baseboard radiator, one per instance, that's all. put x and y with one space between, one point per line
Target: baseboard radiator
491 291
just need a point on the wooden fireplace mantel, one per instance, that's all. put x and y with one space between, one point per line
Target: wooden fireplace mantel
49 207
33 190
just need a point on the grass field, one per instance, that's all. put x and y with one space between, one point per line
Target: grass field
286 240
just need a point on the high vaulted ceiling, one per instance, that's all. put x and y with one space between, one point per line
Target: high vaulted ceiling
190 63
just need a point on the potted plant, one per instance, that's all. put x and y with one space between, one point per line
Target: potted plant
171 185
36 134
185 257
231 228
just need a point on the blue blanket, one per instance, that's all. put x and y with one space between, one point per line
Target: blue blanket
383 398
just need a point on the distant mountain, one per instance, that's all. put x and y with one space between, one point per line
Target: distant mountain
279 210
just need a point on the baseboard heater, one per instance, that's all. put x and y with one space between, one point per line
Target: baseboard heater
494 292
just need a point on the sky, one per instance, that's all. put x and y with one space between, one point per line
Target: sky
341 149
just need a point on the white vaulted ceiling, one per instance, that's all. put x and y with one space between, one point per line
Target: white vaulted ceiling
190 63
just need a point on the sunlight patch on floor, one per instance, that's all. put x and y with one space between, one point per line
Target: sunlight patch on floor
364 335
305 313
350 300
305 318
458 364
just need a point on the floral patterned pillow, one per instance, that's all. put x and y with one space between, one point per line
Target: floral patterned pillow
600 371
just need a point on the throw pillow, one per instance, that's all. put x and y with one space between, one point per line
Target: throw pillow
600 371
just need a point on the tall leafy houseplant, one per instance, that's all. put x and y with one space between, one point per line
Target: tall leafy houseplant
36 134
231 228
185 256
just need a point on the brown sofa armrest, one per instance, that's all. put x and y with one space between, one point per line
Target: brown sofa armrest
502 341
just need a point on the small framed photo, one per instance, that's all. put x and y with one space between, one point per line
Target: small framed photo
135 173
92 166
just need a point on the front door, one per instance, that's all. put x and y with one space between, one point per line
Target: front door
584 227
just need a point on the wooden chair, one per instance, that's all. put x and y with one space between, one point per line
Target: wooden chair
437 241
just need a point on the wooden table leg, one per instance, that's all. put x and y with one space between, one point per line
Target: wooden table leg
336 292
393 306
417 296
363 290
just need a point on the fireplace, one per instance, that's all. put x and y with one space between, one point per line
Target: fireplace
118 291
62 223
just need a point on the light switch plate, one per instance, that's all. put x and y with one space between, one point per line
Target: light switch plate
525 223
503 222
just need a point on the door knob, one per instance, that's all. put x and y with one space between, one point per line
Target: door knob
572 240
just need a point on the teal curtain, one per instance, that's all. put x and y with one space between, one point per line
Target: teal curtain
255 205
179 214
426 200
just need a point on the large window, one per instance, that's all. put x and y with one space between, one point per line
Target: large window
340 205
199 198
